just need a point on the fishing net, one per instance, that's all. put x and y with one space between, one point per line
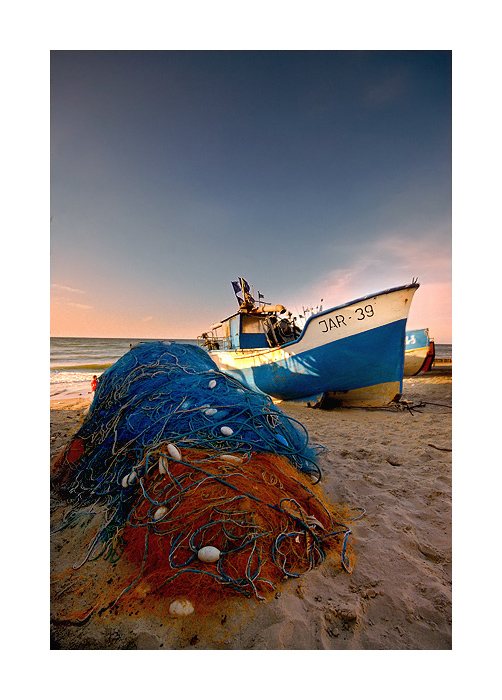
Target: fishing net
178 457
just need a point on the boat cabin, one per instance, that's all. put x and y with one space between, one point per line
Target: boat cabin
249 331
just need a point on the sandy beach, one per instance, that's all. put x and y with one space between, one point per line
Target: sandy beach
395 463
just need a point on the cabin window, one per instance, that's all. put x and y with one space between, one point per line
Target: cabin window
252 324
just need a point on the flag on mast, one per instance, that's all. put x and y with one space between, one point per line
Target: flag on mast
243 292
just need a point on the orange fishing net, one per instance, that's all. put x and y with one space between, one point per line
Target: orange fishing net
267 521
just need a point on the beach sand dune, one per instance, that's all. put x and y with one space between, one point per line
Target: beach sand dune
393 463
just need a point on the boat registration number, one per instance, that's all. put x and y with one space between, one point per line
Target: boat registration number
339 320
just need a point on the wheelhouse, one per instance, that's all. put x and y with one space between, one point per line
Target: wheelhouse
251 331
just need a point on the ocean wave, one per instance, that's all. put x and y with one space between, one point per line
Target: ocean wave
73 377
76 368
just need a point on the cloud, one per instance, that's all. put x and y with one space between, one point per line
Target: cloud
79 306
59 301
148 318
67 289
392 261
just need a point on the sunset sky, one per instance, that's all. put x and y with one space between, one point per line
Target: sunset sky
312 174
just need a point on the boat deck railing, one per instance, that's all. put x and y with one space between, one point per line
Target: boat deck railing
213 342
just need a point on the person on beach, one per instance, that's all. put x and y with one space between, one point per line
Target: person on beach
94 383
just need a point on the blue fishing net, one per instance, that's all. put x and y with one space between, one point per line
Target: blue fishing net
170 392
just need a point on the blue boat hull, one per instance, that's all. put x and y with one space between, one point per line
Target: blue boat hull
341 365
353 352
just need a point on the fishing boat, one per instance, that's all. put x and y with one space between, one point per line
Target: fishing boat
419 352
350 354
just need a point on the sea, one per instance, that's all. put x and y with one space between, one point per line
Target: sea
74 361
443 351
